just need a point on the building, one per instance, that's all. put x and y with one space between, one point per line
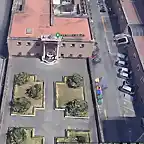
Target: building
131 21
36 24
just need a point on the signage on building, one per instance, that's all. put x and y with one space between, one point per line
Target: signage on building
69 35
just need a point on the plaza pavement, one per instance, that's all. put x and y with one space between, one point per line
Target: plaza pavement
49 123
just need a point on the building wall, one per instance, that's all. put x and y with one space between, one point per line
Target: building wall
120 14
36 47
77 50
138 72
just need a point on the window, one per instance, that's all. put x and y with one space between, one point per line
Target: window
134 55
138 67
19 54
72 45
71 55
62 55
28 44
28 31
28 53
80 55
82 45
18 43
63 45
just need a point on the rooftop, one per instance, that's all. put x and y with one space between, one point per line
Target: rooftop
133 11
48 122
35 20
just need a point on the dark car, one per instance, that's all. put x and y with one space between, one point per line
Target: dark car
127 89
102 8
128 82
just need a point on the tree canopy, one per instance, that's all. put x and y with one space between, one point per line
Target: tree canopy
16 135
34 91
20 105
21 78
76 108
75 81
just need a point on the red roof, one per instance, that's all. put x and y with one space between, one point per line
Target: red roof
36 16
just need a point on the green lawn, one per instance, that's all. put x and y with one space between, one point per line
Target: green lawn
72 134
65 94
19 91
31 139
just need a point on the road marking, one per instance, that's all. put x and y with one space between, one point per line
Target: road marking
127 101
102 19
129 109
105 114
108 44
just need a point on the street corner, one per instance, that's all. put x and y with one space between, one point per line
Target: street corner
106 24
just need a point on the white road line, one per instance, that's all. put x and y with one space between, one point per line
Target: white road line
108 44
105 114
128 101
129 109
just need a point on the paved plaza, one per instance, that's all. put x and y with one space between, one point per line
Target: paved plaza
49 123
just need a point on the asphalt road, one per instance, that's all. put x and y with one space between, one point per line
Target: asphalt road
5 6
104 27
106 69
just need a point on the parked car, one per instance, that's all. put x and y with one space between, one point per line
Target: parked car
127 89
122 56
121 63
129 83
102 8
125 70
121 39
121 35
124 75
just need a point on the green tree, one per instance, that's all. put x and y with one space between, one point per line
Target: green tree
20 105
81 139
75 81
34 91
76 108
16 135
21 78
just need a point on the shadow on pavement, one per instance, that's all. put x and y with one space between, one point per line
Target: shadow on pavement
126 129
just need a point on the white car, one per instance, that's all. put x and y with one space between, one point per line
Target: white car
121 39
121 56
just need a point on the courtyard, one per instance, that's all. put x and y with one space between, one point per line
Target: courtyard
48 122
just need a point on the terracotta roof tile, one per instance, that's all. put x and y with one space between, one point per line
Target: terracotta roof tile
37 17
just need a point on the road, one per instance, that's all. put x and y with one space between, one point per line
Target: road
5 6
114 104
